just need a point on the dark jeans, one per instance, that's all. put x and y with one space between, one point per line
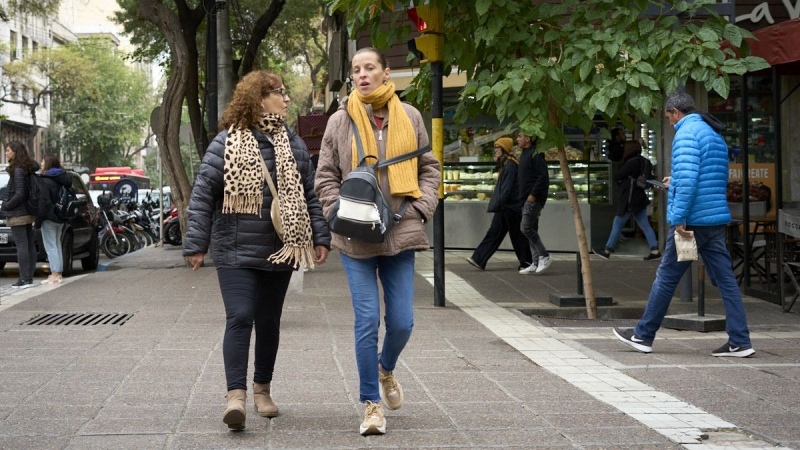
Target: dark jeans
502 223
251 296
26 250
530 228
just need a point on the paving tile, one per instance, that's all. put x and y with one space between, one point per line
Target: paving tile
104 442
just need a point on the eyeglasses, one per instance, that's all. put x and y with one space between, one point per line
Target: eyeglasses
282 91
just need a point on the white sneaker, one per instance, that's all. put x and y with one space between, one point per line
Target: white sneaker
544 263
528 270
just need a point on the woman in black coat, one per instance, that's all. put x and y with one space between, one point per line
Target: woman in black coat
52 226
17 216
506 205
632 200
229 210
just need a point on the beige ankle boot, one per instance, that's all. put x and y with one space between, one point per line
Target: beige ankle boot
234 414
263 401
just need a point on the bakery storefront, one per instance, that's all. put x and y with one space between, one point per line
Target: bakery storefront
764 148
469 176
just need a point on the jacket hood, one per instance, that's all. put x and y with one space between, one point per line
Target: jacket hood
54 172
712 121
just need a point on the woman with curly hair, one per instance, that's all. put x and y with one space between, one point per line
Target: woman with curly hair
229 210
17 216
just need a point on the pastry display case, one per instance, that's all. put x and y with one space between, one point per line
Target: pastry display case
468 187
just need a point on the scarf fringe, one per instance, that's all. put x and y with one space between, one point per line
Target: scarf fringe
247 204
294 256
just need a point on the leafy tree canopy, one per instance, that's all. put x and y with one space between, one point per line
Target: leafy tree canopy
547 65
100 113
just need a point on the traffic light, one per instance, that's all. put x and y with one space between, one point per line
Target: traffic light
429 21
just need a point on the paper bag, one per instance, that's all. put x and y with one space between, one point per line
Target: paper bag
686 248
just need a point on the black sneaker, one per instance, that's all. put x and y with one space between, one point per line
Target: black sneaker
602 253
737 351
629 337
23 284
652 256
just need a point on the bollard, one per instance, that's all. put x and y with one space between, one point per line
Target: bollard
685 286
701 290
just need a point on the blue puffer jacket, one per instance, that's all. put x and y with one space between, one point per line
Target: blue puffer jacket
695 199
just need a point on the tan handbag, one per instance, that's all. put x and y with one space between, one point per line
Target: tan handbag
275 209
17 221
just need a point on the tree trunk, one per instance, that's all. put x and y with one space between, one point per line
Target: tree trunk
580 231
260 30
167 132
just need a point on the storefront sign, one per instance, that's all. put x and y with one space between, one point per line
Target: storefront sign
789 222
766 13
761 177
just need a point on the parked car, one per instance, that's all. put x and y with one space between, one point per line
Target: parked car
79 240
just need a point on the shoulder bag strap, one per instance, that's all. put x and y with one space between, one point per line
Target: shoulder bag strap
268 176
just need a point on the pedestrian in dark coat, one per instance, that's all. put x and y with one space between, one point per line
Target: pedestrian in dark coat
229 210
17 216
632 200
506 205
534 182
52 226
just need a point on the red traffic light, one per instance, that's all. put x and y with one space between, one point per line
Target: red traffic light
418 21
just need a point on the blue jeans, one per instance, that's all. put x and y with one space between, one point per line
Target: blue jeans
641 219
397 278
711 247
51 236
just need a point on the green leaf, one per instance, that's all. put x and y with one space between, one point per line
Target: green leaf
581 91
482 6
733 34
586 69
645 67
707 35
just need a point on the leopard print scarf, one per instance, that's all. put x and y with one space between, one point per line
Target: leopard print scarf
245 180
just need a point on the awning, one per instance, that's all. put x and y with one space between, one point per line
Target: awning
777 44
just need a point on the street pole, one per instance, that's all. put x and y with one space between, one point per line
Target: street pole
429 47
437 144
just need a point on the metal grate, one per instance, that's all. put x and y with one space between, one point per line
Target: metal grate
79 319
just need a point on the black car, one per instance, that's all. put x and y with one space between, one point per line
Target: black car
79 240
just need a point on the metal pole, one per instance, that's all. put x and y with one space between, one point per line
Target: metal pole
701 290
437 144
579 276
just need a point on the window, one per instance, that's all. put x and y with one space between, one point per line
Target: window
12 44
24 46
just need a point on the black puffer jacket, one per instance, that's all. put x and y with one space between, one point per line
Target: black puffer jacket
17 192
625 178
245 240
54 178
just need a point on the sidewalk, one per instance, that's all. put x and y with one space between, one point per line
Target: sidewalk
476 374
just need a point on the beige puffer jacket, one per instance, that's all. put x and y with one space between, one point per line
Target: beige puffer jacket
335 162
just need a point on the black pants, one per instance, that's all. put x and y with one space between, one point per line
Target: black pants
502 223
251 296
26 250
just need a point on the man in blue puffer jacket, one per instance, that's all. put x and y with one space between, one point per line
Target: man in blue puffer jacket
696 204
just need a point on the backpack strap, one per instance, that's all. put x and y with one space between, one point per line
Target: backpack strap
390 161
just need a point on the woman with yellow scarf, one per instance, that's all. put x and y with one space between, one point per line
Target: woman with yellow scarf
388 128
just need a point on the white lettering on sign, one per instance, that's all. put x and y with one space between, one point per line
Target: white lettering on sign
762 12
756 173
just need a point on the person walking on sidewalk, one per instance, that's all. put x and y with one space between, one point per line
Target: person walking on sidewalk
388 128
506 205
533 184
632 200
20 167
696 204
52 226
229 209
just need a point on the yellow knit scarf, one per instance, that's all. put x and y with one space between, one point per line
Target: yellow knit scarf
400 138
